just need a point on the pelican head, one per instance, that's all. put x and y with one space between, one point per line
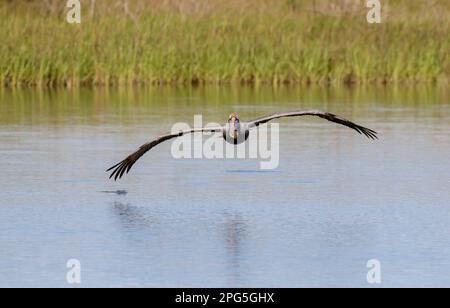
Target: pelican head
234 126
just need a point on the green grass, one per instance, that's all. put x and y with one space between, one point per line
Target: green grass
290 42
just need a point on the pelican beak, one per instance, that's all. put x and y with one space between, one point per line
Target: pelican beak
234 131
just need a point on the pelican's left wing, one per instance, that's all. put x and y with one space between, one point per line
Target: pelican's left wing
324 115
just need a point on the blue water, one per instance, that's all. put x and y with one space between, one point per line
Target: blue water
335 201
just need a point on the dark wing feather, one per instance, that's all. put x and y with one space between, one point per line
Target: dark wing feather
324 115
126 164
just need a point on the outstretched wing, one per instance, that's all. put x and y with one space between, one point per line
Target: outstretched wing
126 164
324 115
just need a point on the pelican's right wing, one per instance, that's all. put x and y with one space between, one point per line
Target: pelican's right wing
126 164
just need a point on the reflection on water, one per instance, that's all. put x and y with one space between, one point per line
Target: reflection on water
235 237
132 217
232 233
336 200
130 106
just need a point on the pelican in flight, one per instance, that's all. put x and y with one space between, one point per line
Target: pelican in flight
234 132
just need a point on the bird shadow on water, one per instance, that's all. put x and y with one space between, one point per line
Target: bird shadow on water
115 192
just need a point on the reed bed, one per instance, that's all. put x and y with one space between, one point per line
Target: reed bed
169 42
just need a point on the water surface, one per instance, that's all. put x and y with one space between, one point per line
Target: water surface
336 200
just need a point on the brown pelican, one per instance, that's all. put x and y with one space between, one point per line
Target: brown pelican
235 132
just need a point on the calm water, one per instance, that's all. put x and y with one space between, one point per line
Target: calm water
336 200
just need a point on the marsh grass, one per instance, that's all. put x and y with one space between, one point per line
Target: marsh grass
208 42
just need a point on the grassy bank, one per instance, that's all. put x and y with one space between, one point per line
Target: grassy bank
218 42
